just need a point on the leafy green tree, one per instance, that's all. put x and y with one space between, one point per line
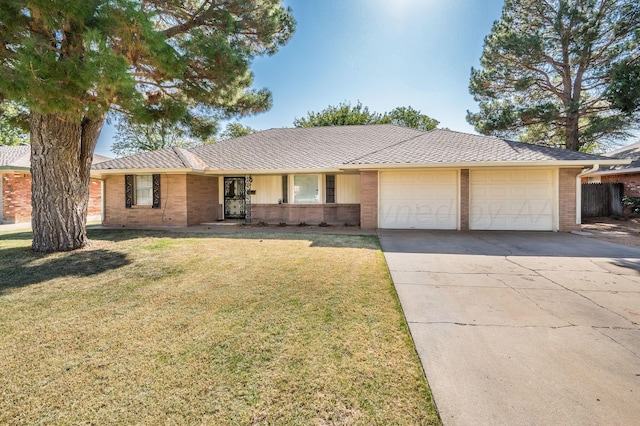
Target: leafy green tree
71 62
235 130
345 114
545 69
14 124
132 136
342 115
409 117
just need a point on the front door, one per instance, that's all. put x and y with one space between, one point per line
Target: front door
234 198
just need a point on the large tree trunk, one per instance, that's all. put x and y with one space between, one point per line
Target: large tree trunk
572 131
61 156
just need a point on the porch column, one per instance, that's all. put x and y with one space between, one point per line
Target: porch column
369 199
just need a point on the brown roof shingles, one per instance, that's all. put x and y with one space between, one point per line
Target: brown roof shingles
19 157
446 146
326 148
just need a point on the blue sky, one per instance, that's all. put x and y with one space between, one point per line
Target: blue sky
383 53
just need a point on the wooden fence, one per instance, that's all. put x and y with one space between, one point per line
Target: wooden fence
602 199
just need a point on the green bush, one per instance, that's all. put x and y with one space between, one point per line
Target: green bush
632 204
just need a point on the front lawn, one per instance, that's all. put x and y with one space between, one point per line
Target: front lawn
165 328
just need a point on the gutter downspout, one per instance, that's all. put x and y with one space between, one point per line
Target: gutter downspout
579 191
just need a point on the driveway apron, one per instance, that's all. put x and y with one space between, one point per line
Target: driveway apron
522 328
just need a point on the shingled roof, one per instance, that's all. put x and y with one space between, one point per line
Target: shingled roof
333 148
19 157
446 146
630 151
278 149
166 158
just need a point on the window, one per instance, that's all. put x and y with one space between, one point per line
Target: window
306 189
285 189
330 189
143 190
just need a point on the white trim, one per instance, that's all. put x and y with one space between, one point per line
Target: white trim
491 164
97 174
354 167
615 172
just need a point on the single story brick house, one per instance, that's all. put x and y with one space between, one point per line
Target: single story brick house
626 174
15 186
377 176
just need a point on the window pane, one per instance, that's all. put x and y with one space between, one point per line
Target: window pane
305 189
144 190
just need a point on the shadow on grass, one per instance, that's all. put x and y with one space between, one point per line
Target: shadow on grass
323 239
21 267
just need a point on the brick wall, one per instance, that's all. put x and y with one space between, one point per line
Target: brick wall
567 194
308 213
464 199
172 211
369 199
95 198
16 197
202 199
631 182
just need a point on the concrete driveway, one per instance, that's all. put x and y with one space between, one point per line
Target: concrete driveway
522 328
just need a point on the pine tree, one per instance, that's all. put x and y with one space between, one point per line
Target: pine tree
546 68
72 61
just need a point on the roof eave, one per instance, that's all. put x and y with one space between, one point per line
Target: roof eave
101 172
15 169
616 171
472 164
227 172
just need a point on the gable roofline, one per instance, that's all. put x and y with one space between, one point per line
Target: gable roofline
483 164
332 149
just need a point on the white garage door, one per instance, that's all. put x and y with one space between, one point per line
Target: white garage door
511 199
419 199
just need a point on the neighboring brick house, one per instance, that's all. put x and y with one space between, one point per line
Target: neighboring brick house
377 176
626 174
15 186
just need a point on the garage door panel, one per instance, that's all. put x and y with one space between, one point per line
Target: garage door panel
418 199
511 199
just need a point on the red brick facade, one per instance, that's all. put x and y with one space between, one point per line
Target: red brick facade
631 182
184 200
311 214
188 200
16 197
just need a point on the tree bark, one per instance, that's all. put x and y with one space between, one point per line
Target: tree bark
61 157
572 130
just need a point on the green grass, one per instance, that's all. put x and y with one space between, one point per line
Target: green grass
164 328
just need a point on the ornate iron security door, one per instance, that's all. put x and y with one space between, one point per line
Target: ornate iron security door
234 198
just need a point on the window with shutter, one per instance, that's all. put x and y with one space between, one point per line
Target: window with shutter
143 190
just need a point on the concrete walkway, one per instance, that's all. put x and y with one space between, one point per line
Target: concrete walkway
522 328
